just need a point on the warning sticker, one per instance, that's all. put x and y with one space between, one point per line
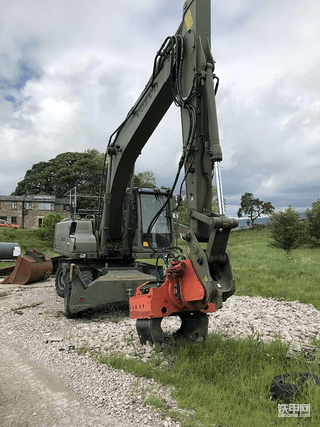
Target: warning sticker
188 20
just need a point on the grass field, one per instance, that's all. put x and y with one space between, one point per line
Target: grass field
270 272
226 382
27 239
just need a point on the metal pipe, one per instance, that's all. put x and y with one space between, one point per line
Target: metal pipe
219 188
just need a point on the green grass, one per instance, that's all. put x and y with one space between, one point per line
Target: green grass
227 382
261 270
156 402
27 239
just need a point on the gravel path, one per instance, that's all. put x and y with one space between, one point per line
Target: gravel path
35 336
37 341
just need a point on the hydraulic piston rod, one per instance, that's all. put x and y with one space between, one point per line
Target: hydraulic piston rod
219 188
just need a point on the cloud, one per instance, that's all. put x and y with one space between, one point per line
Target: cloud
70 72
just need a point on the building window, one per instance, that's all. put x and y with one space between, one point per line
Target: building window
14 205
4 218
40 221
14 220
44 206
28 206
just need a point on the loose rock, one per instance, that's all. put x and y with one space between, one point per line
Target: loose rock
49 338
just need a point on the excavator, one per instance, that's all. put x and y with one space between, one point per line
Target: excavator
127 252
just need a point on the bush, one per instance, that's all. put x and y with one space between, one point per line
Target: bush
287 231
313 223
46 231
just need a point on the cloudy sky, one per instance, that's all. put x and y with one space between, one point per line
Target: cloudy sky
71 69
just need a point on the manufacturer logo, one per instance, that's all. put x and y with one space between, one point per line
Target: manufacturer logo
148 97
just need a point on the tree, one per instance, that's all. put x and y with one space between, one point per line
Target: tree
313 223
67 171
145 179
253 208
46 231
60 175
286 229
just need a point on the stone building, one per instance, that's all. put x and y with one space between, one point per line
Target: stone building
29 211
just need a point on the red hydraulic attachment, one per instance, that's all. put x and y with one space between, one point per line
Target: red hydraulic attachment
181 292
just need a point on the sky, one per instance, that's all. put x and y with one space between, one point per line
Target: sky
70 70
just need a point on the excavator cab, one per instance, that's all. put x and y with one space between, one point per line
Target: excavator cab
159 238
76 238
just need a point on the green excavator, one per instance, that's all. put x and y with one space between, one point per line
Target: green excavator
127 252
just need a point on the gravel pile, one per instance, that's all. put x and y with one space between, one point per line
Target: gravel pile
33 316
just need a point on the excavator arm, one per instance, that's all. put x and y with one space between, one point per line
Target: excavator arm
183 73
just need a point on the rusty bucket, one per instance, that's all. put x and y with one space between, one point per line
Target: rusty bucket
30 267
